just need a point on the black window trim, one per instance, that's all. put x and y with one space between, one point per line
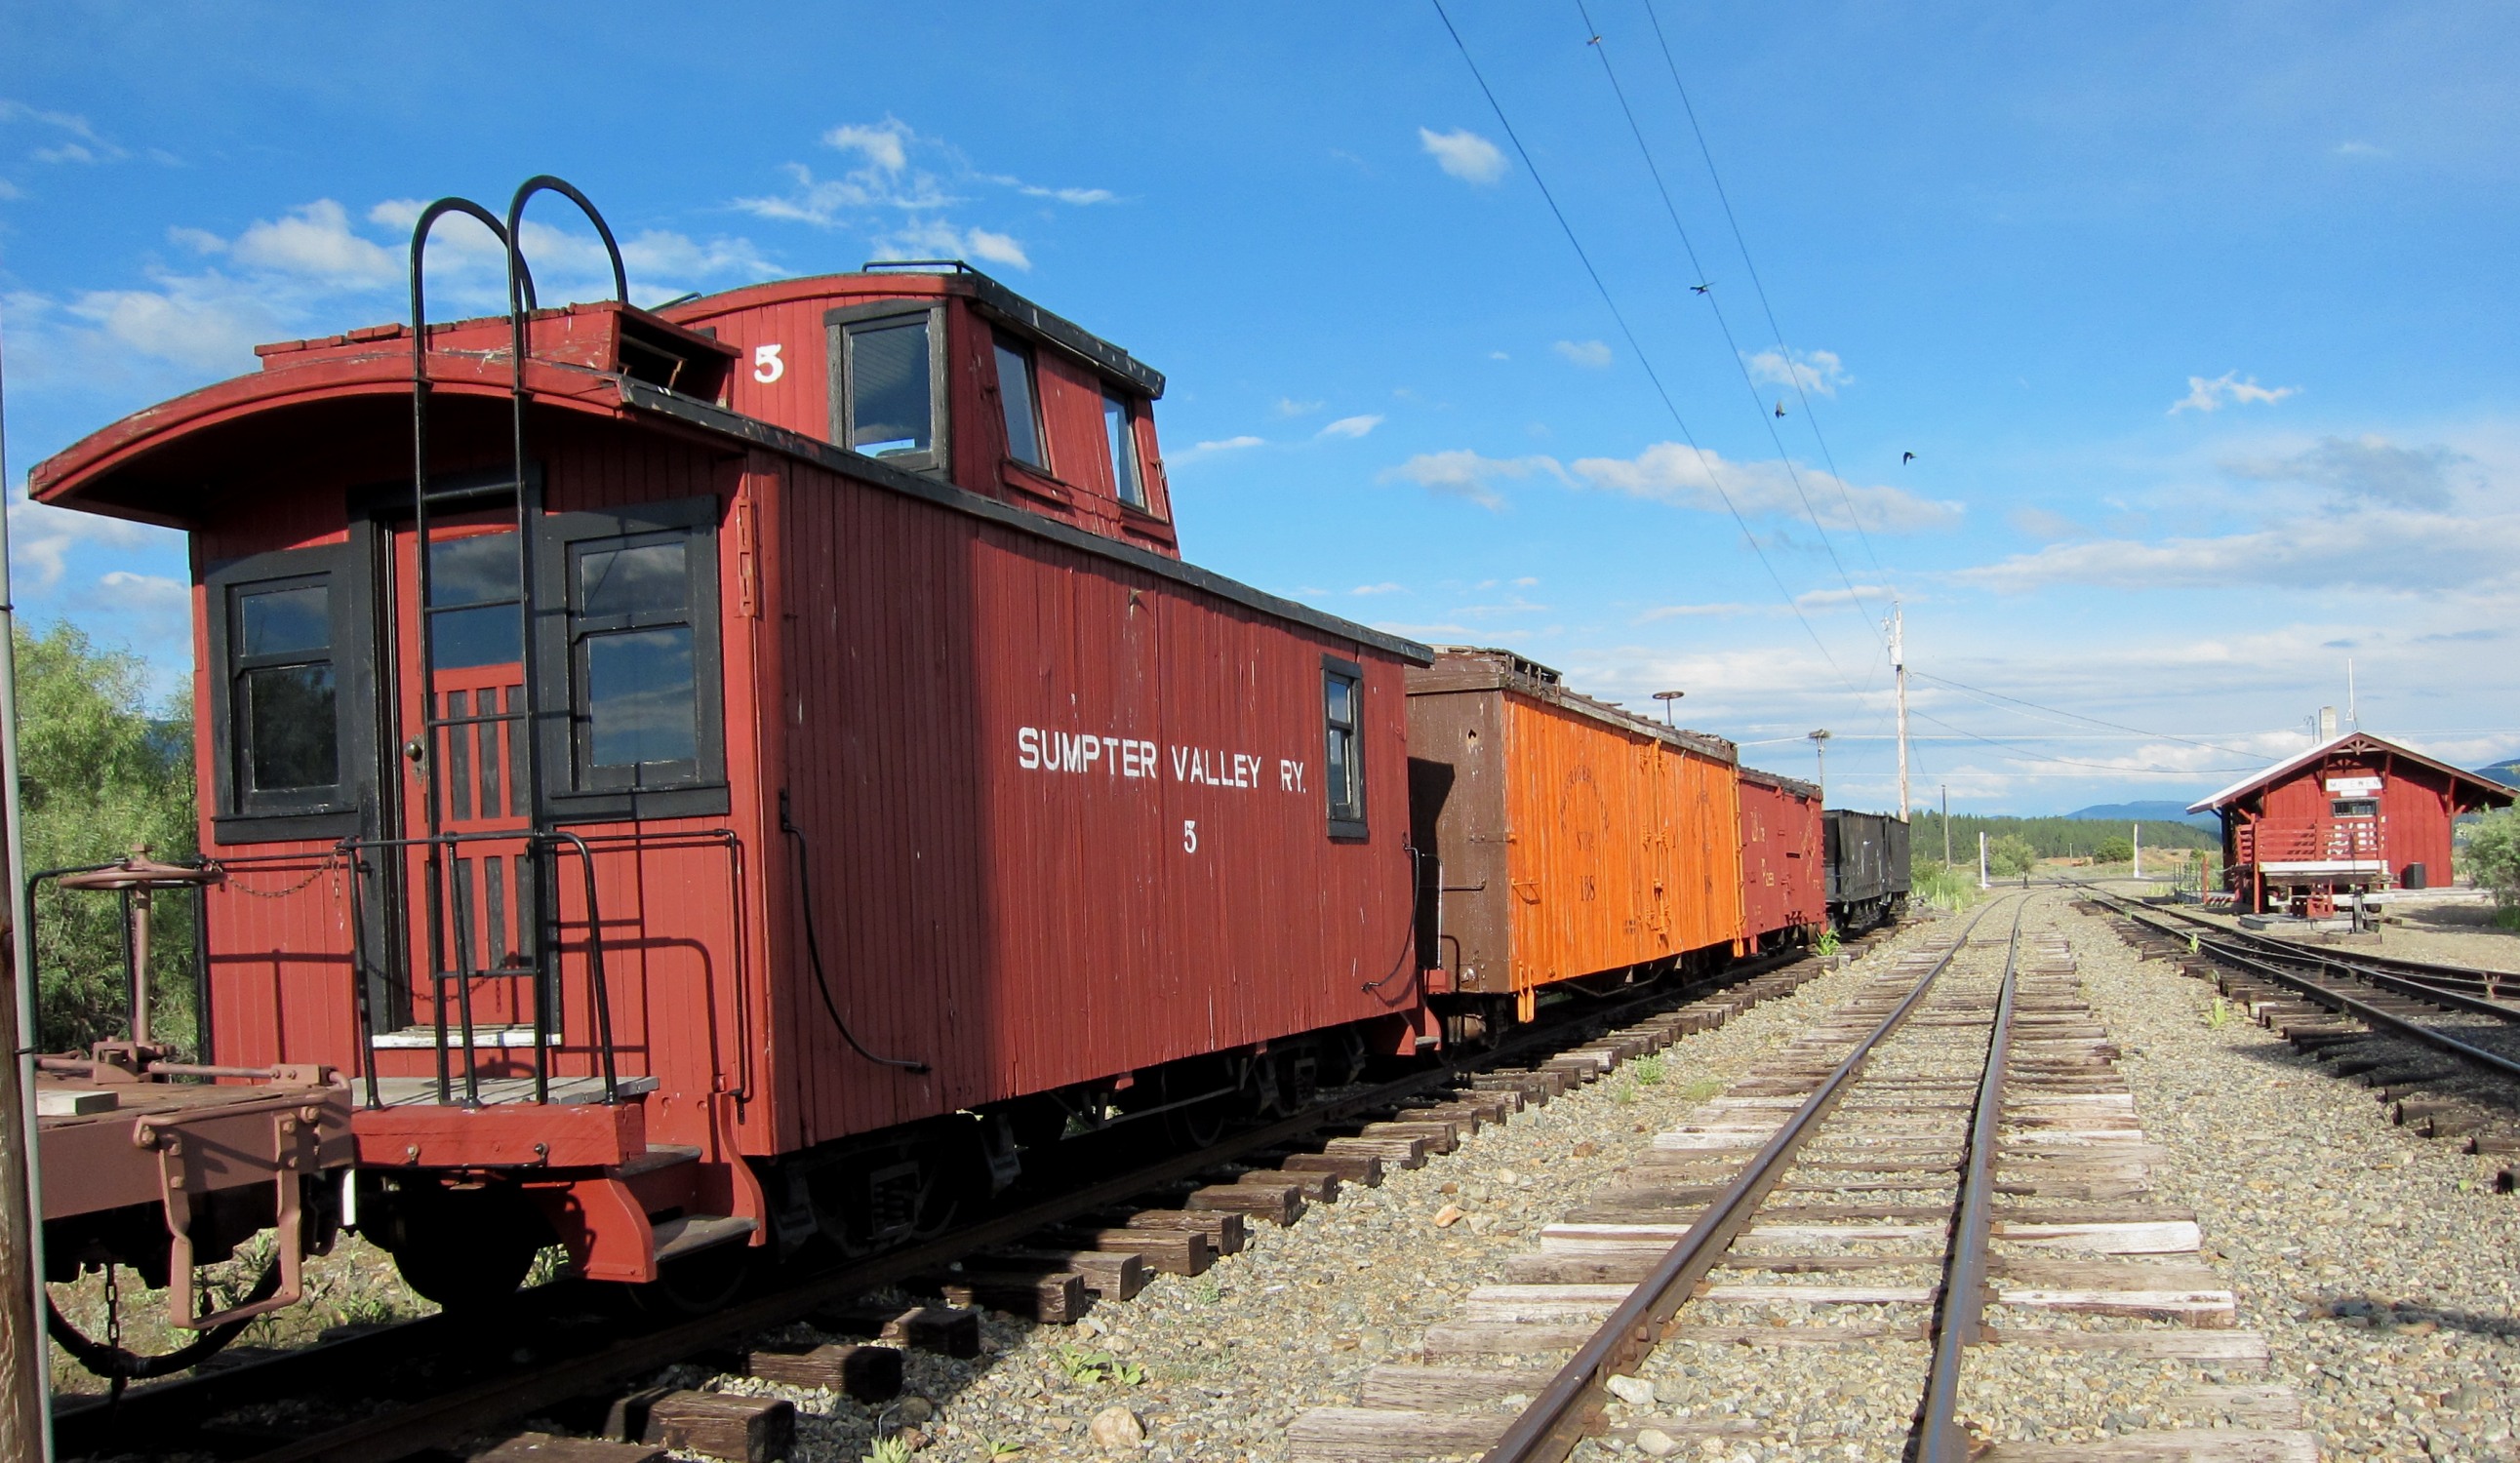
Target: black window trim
1345 829
937 460
1130 412
238 814
705 792
1004 339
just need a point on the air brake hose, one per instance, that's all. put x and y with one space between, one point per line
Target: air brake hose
814 946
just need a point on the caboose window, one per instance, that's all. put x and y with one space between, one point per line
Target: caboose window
889 414
283 696
1120 430
638 695
473 592
887 384
1342 768
287 693
1015 398
639 654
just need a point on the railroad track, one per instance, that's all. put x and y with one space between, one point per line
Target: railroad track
562 1348
1952 1144
2361 1020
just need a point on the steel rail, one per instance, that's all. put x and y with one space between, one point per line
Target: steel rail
1558 1418
1939 1437
2376 970
2368 1014
172 1408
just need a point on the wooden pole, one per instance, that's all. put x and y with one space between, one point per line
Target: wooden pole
26 1422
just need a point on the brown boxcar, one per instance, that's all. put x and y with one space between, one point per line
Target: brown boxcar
898 804
2356 814
1783 891
1568 838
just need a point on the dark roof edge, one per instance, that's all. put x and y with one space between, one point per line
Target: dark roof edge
1482 678
1795 785
761 434
1065 333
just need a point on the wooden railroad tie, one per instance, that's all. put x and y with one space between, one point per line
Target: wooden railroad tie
941 1329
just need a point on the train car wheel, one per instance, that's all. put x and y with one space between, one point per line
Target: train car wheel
698 1284
464 1249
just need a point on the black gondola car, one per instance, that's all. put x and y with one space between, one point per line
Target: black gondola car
1866 855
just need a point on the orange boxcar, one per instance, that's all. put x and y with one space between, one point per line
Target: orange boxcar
1563 838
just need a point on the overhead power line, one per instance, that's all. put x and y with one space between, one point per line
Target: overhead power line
2109 767
1997 695
1671 209
1741 242
1616 314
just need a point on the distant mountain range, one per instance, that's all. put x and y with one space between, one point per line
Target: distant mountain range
2150 812
2505 772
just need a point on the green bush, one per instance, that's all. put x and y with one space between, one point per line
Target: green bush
2010 856
2489 853
101 772
1943 886
2114 849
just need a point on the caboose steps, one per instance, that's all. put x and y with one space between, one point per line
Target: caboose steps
689 1235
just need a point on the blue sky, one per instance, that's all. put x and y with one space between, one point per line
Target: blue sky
2197 320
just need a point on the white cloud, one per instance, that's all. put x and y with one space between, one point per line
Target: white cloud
2391 551
2369 466
1857 595
1726 610
1226 444
79 142
1462 473
2040 523
1593 354
996 249
1463 154
884 145
312 240
1672 472
1818 372
8 190
2212 395
1384 588
1288 405
1080 197
41 538
1351 427
2358 150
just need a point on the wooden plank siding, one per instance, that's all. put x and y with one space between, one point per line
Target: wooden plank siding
1782 885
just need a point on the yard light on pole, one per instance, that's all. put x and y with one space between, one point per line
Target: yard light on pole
1666 697
1819 745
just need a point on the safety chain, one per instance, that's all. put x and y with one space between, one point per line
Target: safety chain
332 861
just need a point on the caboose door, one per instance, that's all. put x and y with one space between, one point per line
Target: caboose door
469 884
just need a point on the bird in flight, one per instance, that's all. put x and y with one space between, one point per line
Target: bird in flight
1781 408
1702 288
1905 458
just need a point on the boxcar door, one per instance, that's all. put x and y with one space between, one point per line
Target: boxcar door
471 894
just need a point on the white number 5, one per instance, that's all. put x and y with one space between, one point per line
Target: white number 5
1190 835
766 365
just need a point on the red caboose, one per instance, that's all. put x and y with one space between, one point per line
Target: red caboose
1784 897
2353 814
776 769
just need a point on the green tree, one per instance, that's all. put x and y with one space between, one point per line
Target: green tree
2116 850
2010 856
99 774
2489 853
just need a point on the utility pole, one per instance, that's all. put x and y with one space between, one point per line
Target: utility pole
1899 669
2139 850
26 1417
1981 859
1819 745
1946 825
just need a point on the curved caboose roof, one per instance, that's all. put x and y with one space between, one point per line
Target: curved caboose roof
2484 792
162 464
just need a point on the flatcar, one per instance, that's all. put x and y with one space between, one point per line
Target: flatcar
1564 839
1867 855
737 775
1785 883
